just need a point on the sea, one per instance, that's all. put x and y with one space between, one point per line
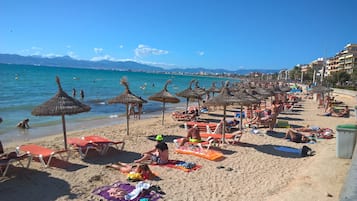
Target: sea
23 87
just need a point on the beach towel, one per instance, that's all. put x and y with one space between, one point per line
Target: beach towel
288 149
123 191
181 165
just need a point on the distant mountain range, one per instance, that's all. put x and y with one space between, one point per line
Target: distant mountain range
67 61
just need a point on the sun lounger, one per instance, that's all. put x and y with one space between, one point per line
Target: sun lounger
105 143
196 149
7 159
217 129
199 145
83 146
231 138
37 151
98 143
202 126
178 116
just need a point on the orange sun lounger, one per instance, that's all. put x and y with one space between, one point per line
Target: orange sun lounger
203 127
232 138
83 146
9 158
196 149
41 152
203 153
99 143
104 142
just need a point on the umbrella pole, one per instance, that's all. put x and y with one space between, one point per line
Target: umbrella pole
187 99
163 112
64 132
127 119
241 118
224 125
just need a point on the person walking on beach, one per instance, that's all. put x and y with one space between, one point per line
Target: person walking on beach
23 124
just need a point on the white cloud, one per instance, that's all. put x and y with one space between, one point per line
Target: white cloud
72 54
52 55
105 57
144 50
121 46
98 50
201 53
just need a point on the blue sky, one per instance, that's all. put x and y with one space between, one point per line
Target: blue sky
229 34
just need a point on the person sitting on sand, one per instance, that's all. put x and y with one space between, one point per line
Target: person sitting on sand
143 169
295 136
23 124
158 155
193 135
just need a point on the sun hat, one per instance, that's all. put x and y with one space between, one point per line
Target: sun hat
159 137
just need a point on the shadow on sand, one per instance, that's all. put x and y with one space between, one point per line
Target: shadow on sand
23 183
276 150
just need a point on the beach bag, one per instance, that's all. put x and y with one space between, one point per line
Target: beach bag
306 151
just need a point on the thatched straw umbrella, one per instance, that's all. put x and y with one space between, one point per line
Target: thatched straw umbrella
59 105
188 93
165 97
213 89
127 98
224 98
245 99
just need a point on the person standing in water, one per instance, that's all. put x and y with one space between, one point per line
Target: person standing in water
74 92
82 94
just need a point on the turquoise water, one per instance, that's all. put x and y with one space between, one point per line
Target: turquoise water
25 87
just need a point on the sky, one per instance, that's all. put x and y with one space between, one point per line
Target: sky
228 34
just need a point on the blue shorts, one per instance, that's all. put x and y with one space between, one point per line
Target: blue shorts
156 159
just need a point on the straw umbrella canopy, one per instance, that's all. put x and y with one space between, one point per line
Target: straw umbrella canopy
127 97
188 93
213 89
245 99
224 98
165 97
60 105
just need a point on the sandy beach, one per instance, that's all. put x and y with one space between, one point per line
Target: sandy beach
259 172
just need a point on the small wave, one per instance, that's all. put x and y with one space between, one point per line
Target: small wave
113 116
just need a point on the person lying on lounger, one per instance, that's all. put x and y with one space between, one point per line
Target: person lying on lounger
193 135
142 171
158 155
329 112
343 113
309 128
297 137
